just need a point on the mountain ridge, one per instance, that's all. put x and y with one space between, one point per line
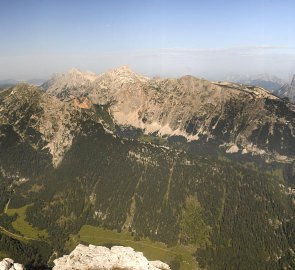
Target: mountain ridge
193 108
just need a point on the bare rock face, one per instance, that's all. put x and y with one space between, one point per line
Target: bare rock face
45 121
9 264
102 258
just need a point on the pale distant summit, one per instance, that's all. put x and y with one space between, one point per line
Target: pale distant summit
75 79
124 74
123 68
87 75
74 70
102 88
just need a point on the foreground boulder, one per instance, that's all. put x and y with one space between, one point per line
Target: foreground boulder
9 264
99 257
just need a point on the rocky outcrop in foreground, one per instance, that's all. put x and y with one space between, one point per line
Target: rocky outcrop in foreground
9 264
99 257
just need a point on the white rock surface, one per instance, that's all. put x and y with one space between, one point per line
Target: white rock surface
99 257
18 266
8 264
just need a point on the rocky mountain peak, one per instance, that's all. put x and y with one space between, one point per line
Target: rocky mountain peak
122 71
124 74
77 74
75 71
74 81
123 68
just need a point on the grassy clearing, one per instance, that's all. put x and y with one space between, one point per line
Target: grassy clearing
152 250
15 236
279 174
22 226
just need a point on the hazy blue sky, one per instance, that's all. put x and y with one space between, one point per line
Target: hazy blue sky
209 38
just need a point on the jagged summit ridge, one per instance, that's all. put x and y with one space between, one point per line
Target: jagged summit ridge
77 83
99 257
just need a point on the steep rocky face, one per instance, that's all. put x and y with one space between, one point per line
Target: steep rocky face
9 264
99 257
42 119
238 118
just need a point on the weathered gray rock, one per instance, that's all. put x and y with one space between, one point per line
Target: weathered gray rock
99 257
8 264
4 265
18 266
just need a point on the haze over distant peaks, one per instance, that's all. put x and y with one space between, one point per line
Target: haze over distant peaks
267 81
287 90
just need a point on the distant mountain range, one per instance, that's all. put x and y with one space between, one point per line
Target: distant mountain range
266 81
202 171
12 82
287 90
272 83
